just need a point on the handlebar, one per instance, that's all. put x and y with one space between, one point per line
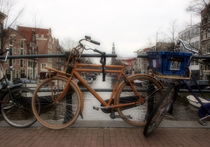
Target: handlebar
95 42
102 61
88 38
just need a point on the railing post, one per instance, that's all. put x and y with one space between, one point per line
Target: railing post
10 62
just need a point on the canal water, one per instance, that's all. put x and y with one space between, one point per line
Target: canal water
182 111
90 101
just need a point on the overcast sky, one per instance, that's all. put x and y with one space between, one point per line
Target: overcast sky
131 24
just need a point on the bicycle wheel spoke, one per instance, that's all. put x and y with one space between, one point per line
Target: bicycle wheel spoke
143 89
50 111
16 108
158 113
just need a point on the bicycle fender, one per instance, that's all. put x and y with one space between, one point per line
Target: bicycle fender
131 76
150 76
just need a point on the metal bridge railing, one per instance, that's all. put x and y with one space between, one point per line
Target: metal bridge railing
35 56
32 56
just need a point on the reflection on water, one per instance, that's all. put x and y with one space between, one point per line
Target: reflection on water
89 113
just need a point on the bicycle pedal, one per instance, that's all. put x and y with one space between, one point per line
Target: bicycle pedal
113 116
95 108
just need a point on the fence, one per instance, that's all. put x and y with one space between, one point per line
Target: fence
36 56
83 55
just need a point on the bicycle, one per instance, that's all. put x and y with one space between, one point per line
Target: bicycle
15 101
163 106
58 101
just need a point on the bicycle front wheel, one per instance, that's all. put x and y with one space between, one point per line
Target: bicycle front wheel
147 88
56 114
16 107
159 111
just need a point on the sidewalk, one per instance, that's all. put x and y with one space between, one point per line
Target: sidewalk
107 134
122 124
103 137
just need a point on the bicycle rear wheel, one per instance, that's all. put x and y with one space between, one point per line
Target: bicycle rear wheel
148 89
56 114
16 107
159 111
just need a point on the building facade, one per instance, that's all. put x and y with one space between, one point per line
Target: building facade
2 17
31 41
17 45
192 37
205 39
142 64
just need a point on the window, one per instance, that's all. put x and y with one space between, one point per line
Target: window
208 48
208 33
14 62
21 52
21 43
18 62
10 40
21 63
29 63
22 73
201 35
43 66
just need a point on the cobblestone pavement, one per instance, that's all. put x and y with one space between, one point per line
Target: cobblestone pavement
103 137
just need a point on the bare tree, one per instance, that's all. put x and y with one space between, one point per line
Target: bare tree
168 38
68 43
196 6
8 7
173 31
12 14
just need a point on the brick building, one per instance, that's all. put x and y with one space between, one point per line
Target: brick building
2 17
16 42
129 64
28 41
205 39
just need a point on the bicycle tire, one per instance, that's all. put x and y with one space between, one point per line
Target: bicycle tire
156 117
16 108
149 88
56 115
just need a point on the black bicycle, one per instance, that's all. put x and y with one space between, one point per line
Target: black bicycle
175 63
15 101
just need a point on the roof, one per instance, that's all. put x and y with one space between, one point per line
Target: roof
27 32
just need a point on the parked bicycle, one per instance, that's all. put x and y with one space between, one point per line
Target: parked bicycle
15 101
58 101
176 71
